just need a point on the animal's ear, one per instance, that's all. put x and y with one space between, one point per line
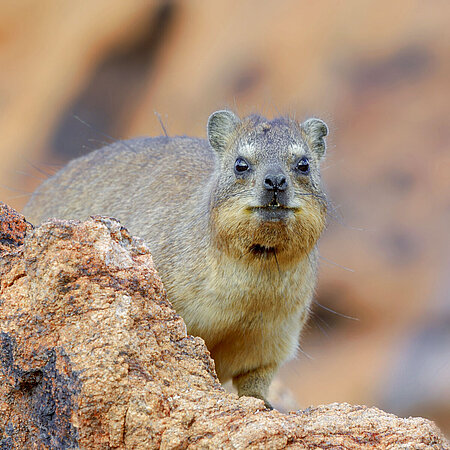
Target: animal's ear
315 131
221 126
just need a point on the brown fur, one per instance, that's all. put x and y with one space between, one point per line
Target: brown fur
240 281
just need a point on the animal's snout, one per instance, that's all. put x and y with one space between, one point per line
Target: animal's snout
275 182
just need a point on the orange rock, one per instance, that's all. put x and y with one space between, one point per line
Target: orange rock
13 228
93 355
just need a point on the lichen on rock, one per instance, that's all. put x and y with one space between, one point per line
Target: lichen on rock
93 355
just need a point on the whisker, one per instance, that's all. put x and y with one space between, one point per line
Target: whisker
312 194
161 123
104 134
332 164
9 188
332 213
34 166
336 264
244 254
343 224
317 316
113 139
52 164
14 197
98 141
20 172
335 312
276 260
306 354
324 332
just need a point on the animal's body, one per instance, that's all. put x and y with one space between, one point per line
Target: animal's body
232 223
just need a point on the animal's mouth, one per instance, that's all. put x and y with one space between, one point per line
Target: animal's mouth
273 212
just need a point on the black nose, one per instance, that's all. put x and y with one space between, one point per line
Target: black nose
275 182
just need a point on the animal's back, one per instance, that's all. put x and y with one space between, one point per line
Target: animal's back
144 182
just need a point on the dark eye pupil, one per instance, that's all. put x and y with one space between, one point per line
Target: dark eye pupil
241 165
303 165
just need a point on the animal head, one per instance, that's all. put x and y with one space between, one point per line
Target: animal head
268 196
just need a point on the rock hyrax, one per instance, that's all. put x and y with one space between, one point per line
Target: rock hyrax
232 223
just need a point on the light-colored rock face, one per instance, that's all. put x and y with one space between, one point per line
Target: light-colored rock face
92 355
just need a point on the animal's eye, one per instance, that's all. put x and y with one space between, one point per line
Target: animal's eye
241 165
303 165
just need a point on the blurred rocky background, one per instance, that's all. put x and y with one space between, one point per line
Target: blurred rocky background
77 75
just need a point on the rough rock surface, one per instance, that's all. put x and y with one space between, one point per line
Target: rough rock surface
92 355
13 228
